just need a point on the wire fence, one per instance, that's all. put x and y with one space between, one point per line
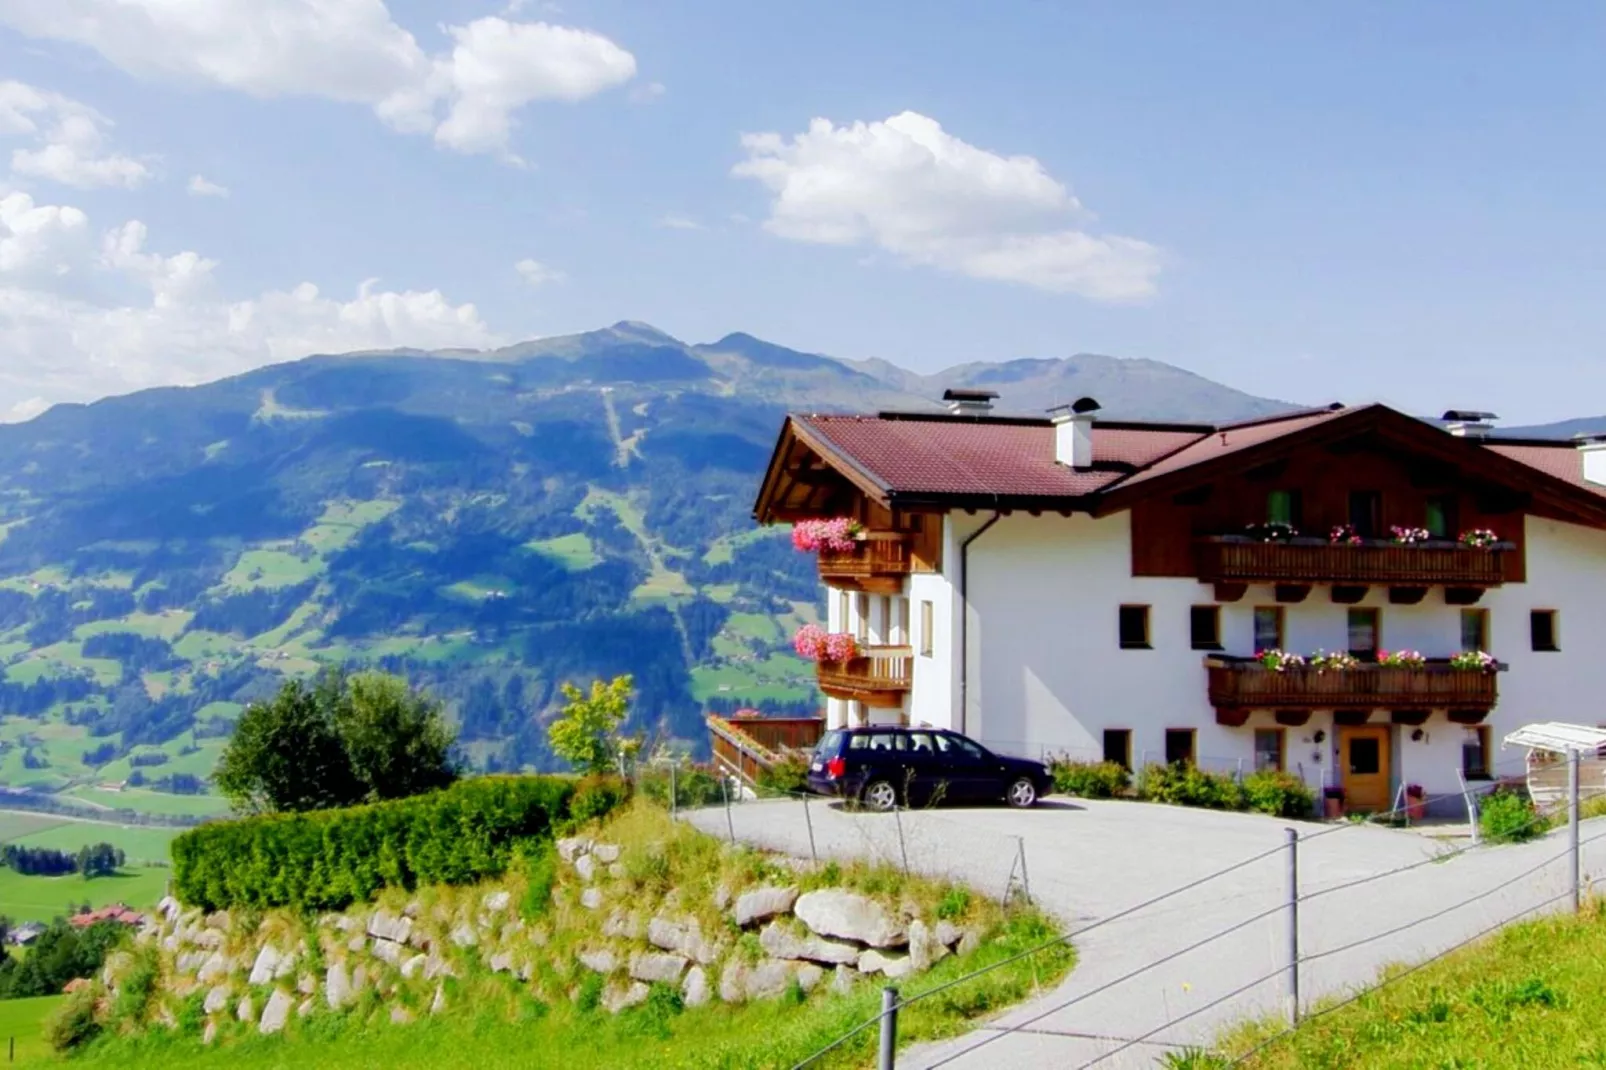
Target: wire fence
1269 933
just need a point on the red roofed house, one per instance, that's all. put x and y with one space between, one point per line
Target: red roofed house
117 912
1103 588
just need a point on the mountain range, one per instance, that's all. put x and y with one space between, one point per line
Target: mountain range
490 523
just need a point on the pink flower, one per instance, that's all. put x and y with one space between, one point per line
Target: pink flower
840 647
809 642
839 534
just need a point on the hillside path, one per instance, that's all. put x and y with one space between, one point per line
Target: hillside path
1091 860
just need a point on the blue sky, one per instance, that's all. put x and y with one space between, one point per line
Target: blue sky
1326 201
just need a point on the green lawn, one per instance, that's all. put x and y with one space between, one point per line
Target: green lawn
141 843
21 1021
272 569
15 824
1532 996
574 552
779 677
43 898
145 801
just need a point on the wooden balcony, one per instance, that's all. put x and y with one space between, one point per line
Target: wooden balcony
877 564
747 746
1238 685
1234 559
879 676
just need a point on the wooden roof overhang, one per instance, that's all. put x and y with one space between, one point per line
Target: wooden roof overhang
806 477
1376 426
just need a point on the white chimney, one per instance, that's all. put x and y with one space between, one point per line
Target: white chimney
1465 423
1594 451
1073 433
965 402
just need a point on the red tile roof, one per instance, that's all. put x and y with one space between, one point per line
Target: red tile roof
920 456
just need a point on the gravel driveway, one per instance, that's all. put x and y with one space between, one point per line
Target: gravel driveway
1088 860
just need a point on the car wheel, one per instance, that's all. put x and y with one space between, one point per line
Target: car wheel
1022 793
880 796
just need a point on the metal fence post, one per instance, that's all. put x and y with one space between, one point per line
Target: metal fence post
674 801
903 848
724 789
808 819
887 1053
1572 829
1293 926
1025 877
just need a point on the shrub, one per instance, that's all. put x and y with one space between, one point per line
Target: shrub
73 1025
596 796
1509 817
789 776
541 876
692 786
1188 785
1280 794
954 904
1090 780
328 859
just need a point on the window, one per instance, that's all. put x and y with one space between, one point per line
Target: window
1134 627
1363 633
926 622
958 747
1268 628
1542 626
1118 746
1474 629
861 625
1366 513
1268 748
842 612
1283 507
900 622
1204 623
1475 753
920 742
1439 516
1179 746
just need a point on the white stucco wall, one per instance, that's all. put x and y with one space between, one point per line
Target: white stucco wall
1047 674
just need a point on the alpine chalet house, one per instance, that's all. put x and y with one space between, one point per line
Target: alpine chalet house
1352 594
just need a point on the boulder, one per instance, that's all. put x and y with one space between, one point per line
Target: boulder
217 999
337 987
591 898
276 1013
586 866
617 871
400 1016
389 952
606 853
889 966
168 908
464 936
969 942
602 961
850 916
764 903
267 964
413 909
947 933
387 926
572 847
733 982
209 938
809 976
658 967
667 935
768 979
694 990
780 942
305 1009
190 961
307 984
359 979
842 983
209 1034
502 962
413 966
924 948
218 919
617 998
435 966
245 1011
357 943
215 968
722 897
497 902
626 925
438 1004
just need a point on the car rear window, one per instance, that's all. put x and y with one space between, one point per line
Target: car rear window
829 744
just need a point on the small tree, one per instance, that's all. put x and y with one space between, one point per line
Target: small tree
397 739
586 733
287 754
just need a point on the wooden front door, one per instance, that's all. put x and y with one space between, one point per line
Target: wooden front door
1363 755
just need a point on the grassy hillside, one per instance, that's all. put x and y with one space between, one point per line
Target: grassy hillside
491 525
45 898
1533 996
21 1022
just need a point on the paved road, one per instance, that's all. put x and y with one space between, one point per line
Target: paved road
1091 860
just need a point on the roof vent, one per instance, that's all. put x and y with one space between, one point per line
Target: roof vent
1073 432
962 402
1593 447
1469 423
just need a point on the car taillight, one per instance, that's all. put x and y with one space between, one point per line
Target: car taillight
835 768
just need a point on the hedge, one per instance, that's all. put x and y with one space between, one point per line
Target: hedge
328 859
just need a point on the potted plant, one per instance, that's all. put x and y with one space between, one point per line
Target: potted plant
1479 539
1474 661
1407 536
1416 802
1345 535
1402 659
1333 802
840 534
1279 660
1271 531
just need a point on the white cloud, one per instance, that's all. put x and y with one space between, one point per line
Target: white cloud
677 221
201 186
907 186
344 50
647 92
81 319
24 410
69 140
538 274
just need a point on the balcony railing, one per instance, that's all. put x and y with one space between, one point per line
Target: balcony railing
1244 683
1232 558
878 676
880 557
747 746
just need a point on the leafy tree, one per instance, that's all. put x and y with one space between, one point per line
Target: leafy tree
586 733
61 953
397 739
287 754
